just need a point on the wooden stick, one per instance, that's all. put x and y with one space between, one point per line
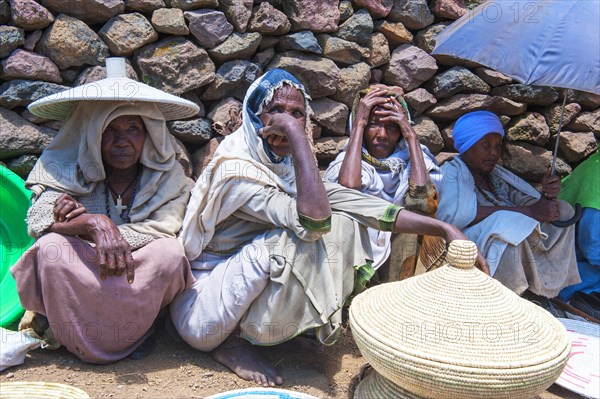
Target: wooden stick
575 311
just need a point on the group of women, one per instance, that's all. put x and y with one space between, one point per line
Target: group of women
267 249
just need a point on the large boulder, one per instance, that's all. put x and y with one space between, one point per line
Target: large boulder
552 114
226 116
576 145
23 64
30 15
314 15
238 12
192 4
457 80
20 136
319 75
352 79
70 42
357 28
395 33
327 148
232 80
127 32
11 37
175 65
531 162
455 107
169 21
428 133
530 127
379 50
301 41
18 93
193 131
586 122
414 14
529 94
425 38
409 67
209 27
237 46
419 100
342 51
491 77
268 20
88 11
144 6
331 115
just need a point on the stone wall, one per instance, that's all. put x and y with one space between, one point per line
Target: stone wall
209 51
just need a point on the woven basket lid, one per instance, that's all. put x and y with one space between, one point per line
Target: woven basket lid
40 390
455 332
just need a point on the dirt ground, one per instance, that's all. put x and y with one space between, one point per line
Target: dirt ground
175 370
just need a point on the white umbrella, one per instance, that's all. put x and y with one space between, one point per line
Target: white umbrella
537 42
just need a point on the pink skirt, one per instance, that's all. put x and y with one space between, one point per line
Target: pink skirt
99 321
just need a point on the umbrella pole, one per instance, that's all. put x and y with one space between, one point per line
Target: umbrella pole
560 123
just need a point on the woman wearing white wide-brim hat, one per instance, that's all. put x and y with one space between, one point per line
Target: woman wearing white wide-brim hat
109 199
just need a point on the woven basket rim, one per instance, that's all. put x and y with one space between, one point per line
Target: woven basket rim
33 389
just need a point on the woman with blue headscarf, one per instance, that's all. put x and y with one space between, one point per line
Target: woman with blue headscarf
504 215
275 250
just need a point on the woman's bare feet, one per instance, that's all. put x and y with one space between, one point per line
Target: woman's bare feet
241 357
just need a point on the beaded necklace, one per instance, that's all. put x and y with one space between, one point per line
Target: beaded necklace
494 200
122 209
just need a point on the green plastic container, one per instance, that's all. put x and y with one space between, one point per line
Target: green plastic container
14 202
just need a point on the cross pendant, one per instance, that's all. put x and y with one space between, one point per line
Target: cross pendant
120 207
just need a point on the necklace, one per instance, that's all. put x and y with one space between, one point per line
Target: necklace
122 209
494 200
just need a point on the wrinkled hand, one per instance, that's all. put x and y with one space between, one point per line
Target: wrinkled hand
545 210
367 103
550 185
67 208
114 253
280 127
394 113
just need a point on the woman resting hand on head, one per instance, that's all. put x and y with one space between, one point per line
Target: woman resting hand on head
109 199
504 215
384 158
275 250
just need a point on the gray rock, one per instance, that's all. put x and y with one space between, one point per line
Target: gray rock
377 8
419 100
22 165
144 6
70 42
203 156
457 80
409 67
209 27
237 46
18 93
20 136
4 12
491 77
428 133
238 13
425 38
175 65
331 115
346 10
588 101
454 107
268 42
88 11
23 64
232 80
449 9
394 32
302 41
30 15
226 116
192 4
95 73
169 21
32 39
552 115
586 122
314 15
530 161
11 37
127 32
357 28
533 95
352 79
530 127
327 148
414 14
379 50
575 146
319 75
268 20
192 131
341 50
264 57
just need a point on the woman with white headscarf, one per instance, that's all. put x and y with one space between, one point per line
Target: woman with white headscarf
504 215
109 199
275 250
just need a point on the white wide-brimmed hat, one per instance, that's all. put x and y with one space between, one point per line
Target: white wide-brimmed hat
116 87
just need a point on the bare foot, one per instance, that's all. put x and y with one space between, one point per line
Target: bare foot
241 357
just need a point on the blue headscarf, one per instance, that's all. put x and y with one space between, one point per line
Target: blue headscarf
471 127
263 93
